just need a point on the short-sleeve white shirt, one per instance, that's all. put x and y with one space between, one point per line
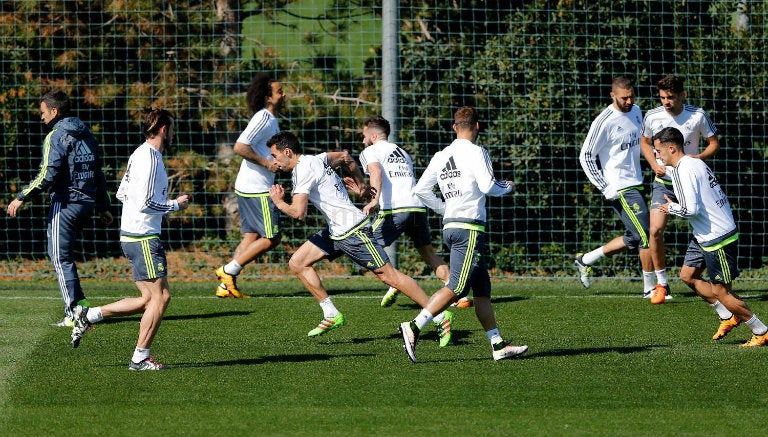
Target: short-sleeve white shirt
693 122
314 177
397 180
253 178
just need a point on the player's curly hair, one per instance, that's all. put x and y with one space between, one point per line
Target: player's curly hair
258 90
671 83
153 119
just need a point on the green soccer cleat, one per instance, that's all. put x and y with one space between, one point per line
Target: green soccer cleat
444 329
327 324
390 297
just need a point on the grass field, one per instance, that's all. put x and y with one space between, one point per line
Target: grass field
602 362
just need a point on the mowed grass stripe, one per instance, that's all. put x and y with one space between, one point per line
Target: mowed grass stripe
597 366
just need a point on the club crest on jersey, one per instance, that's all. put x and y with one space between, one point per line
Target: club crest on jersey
450 170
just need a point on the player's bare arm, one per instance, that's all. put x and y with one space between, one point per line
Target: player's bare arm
650 156
711 146
247 153
297 209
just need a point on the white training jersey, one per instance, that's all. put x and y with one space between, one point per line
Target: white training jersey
253 178
693 122
144 193
314 177
701 200
614 139
397 177
464 175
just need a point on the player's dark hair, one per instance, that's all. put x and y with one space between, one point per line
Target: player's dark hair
285 140
622 82
258 90
672 83
154 119
670 135
378 122
59 100
465 118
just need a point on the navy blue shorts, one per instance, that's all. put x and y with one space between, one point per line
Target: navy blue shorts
720 261
467 262
146 255
391 224
633 211
258 214
358 244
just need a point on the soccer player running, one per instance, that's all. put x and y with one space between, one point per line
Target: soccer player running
144 194
392 179
464 175
71 171
714 245
348 232
260 220
694 124
614 140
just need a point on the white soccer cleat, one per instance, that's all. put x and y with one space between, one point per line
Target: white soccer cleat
502 351
409 340
585 271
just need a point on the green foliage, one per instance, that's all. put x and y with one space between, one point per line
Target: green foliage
537 71
510 259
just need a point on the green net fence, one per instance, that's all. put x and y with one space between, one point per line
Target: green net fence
537 71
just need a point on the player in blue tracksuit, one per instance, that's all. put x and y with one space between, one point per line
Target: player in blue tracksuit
71 171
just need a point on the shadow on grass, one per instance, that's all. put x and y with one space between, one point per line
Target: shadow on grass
594 351
302 358
136 318
570 352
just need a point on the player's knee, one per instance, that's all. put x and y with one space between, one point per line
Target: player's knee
295 266
688 277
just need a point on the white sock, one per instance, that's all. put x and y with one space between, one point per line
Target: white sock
494 337
329 309
423 318
649 281
592 257
721 310
439 318
661 277
140 355
233 268
94 315
758 327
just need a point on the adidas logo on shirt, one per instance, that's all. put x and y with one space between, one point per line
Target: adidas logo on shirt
397 156
83 154
450 170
